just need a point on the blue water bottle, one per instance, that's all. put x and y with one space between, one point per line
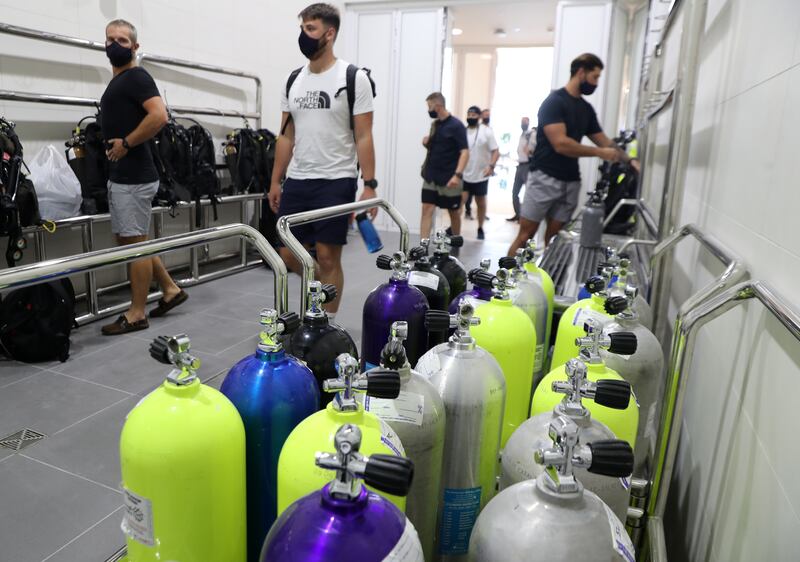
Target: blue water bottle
368 233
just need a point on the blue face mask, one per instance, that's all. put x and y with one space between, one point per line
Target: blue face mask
118 55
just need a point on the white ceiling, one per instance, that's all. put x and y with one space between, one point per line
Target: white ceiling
478 21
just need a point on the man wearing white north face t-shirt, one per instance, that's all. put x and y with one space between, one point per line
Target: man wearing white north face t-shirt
318 151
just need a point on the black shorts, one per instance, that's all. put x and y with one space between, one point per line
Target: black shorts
477 189
441 196
308 195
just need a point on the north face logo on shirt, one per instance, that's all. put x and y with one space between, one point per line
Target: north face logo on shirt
314 100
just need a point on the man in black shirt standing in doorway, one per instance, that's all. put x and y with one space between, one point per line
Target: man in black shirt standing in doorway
443 169
554 182
132 112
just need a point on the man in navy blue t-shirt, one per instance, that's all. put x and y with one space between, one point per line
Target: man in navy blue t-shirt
443 169
554 182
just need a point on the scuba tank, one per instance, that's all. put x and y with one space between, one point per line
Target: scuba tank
509 335
570 327
530 297
592 217
273 392
643 369
433 285
517 464
623 423
553 517
473 389
476 295
390 302
318 342
449 265
639 305
182 454
296 477
543 278
343 521
417 417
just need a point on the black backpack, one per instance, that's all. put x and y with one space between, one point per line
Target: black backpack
350 88
19 205
90 164
249 156
623 183
36 321
203 180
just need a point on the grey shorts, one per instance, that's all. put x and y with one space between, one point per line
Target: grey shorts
548 197
131 205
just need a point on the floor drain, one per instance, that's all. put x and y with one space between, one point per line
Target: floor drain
21 439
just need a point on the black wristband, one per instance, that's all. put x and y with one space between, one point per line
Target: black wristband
459 175
125 144
373 183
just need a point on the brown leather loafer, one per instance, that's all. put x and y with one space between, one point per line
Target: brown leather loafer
122 326
164 306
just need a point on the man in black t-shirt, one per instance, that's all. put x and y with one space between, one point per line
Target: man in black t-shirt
443 169
132 112
554 182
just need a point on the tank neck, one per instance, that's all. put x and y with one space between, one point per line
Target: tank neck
483 293
574 411
266 355
343 505
399 281
316 320
188 389
354 416
599 299
405 374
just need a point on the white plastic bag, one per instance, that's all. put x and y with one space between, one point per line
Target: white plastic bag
57 187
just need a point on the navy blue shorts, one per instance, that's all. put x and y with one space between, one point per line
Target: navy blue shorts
309 195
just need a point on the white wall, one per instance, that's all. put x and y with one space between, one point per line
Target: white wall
736 495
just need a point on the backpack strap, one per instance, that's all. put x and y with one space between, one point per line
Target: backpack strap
292 77
350 85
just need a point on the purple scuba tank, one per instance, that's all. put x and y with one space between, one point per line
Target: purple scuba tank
476 293
392 302
344 521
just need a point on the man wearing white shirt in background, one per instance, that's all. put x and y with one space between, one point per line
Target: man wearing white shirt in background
527 142
483 155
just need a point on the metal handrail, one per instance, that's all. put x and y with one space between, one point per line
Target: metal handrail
735 271
14 95
677 374
51 270
657 543
142 57
286 222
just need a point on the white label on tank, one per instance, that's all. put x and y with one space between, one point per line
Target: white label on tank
408 547
424 279
539 360
407 408
390 439
585 314
137 519
429 364
619 536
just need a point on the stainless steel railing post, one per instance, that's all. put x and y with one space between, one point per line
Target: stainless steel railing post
284 232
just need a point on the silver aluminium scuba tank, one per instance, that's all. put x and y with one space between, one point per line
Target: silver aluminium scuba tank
640 305
592 217
553 517
529 295
417 416
643 369
473 389
517 464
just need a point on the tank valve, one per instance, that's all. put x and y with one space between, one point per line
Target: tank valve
610 393
619 343
622 305
442 243
499 283
378 383
174 350
595 284
273 326
441 321
610 457
386 473
393 355
396 263
318 294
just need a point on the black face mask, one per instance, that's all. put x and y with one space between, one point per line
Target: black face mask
309 46
524 127
432 113
472 121
485 120
587 89
118 55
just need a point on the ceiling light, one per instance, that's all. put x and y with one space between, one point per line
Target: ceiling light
457 31
486 56
517 30
500 33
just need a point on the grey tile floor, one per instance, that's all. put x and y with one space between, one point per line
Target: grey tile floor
59 498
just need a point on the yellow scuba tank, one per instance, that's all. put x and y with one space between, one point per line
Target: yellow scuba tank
623 423
296 476
182 454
